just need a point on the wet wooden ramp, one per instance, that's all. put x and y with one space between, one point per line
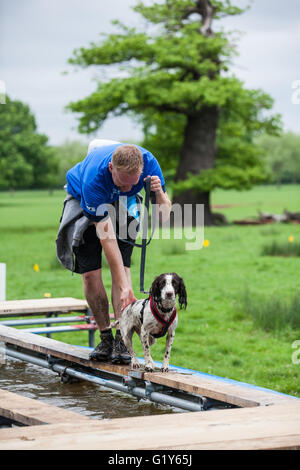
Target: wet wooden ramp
265 419
231 393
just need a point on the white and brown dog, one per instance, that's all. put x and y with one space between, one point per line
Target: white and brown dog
154 317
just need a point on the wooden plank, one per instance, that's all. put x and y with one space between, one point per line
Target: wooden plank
289 442
34 412
231 393
38 306
271 427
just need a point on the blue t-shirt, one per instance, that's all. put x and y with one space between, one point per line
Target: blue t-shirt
91 183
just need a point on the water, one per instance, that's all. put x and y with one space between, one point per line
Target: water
83 397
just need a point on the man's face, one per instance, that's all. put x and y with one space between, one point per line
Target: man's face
123 180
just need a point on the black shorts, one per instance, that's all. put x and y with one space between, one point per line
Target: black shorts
88 256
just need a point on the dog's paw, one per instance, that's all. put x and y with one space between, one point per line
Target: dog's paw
164 369
149 369
135 365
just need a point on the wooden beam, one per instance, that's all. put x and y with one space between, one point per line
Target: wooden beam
270 427
32 342
34 412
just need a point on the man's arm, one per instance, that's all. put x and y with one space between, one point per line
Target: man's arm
112 253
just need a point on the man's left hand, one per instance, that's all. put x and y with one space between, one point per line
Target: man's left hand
155 185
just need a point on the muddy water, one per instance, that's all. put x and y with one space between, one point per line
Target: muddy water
82 397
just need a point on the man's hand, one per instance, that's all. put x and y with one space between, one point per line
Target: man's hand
155 184
126 298
162 198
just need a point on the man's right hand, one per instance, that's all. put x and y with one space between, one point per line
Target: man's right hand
126 298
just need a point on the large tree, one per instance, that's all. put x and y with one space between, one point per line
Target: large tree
26 160
199 119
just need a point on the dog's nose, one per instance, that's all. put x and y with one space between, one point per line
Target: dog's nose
169 294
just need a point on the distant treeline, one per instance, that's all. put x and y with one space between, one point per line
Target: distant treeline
282 157
28 161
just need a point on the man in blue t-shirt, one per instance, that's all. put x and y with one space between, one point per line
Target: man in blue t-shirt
111 172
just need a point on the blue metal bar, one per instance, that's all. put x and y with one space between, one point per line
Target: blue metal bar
42 321
60 329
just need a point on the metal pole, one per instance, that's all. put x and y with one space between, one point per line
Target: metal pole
139 392
91 332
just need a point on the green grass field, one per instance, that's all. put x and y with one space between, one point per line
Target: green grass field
216 334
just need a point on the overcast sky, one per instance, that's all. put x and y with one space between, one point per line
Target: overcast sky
37 37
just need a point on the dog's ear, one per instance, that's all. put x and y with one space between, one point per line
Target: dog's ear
155 289
182 295
181 291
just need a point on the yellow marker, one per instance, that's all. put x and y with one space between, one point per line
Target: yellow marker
36 268
206 243
291 239
47 294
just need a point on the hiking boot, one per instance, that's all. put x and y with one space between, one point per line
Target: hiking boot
120 353
103 351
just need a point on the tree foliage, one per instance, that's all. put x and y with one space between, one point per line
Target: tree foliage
282 157
68 154
26 161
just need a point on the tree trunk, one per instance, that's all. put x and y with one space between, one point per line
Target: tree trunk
198 153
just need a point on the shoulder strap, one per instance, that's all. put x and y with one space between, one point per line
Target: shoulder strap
142 311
